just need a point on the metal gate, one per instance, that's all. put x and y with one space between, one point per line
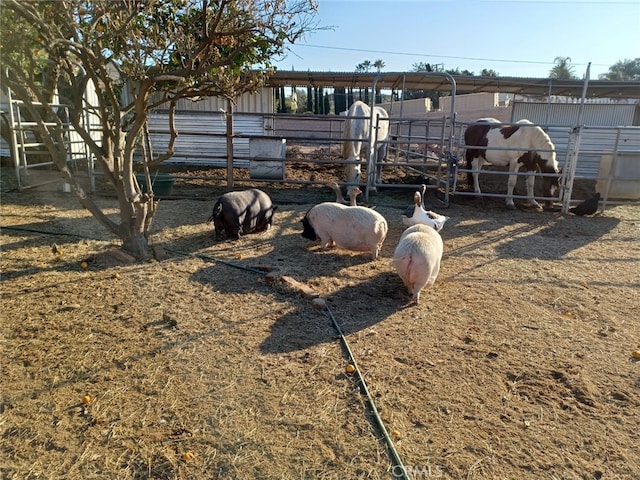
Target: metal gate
583 153
422 148
429 149
28 153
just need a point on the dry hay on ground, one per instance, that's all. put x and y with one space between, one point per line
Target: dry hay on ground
516 364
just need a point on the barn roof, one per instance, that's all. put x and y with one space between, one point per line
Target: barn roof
464 83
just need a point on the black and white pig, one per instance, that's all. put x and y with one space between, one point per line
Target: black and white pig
240 213
359 229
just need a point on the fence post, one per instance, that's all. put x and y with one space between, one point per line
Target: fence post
229 145
570 167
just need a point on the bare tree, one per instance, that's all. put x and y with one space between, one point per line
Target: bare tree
164 50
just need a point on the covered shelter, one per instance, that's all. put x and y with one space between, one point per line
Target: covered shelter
436 81
543 88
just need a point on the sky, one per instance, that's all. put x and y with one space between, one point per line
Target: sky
515 38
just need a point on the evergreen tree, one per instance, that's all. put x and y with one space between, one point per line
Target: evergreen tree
309 99
316 100
625 70
339 100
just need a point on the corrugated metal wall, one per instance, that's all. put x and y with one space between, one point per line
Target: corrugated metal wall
202 137
202 129
463 103
261 102
600 115
595 142
92 122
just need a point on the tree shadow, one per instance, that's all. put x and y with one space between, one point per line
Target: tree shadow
557 238
355 307
522 233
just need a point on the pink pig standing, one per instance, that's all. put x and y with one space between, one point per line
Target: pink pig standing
417 258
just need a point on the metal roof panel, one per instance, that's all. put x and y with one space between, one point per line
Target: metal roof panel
438 81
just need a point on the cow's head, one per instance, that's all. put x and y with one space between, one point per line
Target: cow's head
551 185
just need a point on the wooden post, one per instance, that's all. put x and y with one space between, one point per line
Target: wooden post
229 144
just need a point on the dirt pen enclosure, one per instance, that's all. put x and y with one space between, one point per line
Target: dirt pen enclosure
517 364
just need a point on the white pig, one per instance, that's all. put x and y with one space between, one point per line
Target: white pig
360 229
417 258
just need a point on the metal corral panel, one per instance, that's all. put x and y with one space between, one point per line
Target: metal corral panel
594 142
417 134
598 114
202 137
77 147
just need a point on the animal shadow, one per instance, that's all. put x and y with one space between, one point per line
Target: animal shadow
354 308
558 238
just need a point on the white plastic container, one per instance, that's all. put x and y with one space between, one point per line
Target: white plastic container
261 151
623 169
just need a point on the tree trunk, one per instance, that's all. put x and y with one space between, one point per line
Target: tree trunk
136 208
137 246
136 219
136 213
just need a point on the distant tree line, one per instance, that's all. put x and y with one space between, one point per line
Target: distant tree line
622 71
317 100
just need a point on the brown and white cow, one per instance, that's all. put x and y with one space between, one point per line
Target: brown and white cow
520 145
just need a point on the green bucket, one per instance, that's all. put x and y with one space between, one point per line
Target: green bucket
162 183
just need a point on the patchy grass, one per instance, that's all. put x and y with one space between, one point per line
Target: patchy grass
516 364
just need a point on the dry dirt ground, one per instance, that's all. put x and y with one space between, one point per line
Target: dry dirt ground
516 365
